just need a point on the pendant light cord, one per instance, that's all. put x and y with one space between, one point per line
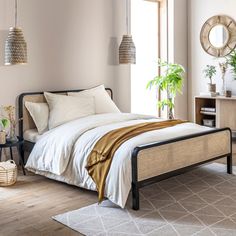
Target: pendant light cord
127 17
15 13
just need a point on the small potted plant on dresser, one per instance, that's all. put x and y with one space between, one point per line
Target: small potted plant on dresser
4 123
209 72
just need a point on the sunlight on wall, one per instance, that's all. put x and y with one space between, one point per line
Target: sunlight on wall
144 27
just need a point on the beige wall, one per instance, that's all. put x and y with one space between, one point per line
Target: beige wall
178 50
74 44
122 73
71 44
199 12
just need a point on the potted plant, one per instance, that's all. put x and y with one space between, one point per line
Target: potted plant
171 82
4 123
209 72
231 60
10 114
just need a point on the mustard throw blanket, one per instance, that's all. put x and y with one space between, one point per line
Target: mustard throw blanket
99 160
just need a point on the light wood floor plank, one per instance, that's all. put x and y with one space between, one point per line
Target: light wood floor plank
26 208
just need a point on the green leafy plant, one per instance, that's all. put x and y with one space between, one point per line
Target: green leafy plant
209 72
10 114
4 123
231 60
171 82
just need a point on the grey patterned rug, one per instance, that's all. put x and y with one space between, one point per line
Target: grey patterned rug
200 202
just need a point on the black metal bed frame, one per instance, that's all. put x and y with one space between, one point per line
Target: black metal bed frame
136 185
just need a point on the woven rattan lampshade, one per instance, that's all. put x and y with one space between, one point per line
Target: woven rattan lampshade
127 50
15 47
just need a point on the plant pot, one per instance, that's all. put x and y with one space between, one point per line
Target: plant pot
212 88
170 114
2 137
228 94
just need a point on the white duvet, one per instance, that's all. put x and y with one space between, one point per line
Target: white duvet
62 152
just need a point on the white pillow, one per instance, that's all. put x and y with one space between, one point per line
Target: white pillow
103 102
39 113
65 108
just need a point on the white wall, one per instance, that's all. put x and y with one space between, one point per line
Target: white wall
71 44
199 12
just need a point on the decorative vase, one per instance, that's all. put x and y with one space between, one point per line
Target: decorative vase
2 137
170 114
223 68
170 110
211 88
12 134
223 88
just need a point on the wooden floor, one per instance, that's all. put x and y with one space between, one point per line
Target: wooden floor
26 207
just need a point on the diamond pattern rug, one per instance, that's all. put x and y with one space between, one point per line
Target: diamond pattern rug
198 203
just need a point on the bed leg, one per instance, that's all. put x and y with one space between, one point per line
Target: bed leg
135 196
229 164
22 153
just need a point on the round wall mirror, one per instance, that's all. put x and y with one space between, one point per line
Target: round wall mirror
218 36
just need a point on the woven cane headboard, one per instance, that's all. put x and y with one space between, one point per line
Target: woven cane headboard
26 121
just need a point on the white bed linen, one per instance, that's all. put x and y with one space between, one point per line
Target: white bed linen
32 135
62 153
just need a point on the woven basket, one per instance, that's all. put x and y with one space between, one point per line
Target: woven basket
8 173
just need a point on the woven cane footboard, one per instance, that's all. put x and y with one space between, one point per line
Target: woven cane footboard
153 162
173 156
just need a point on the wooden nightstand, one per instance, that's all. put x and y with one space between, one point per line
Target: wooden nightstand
10 144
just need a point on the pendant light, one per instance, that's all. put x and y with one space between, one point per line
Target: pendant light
127 50
15 45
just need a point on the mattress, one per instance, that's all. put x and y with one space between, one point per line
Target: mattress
31 135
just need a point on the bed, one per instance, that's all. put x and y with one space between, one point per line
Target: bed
149 159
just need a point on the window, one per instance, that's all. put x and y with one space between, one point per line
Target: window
146 27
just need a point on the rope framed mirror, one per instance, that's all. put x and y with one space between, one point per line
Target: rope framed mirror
218 36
